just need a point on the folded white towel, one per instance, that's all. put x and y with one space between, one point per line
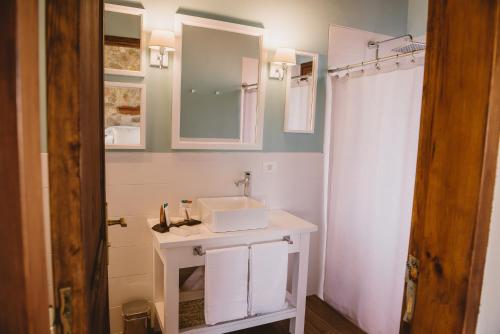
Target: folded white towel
226 284
268 277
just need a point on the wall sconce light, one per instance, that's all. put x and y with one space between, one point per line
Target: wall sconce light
283 58
161 42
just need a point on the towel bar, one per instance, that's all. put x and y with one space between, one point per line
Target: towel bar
198 250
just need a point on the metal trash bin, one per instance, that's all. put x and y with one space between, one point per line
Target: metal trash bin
136 317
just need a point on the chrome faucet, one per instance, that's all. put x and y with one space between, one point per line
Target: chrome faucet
245 181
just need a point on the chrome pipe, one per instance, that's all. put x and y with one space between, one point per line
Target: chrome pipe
198 250
373 44
374 61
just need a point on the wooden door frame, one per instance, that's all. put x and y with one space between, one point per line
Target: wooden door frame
75 137
456 166
23 277
23 283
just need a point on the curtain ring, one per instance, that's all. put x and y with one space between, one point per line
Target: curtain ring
362 67
397 60
413 57
347 74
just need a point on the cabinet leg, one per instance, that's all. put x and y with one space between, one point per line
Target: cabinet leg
299 286
171 296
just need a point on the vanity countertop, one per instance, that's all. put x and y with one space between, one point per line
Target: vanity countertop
281 223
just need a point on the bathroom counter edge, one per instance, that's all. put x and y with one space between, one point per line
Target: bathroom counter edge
281 223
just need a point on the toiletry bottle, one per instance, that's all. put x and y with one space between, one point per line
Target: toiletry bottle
185 208
165 214
164 225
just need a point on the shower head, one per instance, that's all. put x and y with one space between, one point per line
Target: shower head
412 46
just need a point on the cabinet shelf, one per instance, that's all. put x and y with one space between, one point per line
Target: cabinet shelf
229 326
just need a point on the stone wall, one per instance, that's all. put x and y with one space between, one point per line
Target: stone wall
122 58
122 106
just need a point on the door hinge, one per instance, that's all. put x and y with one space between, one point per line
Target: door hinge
64 314
52 320
411 279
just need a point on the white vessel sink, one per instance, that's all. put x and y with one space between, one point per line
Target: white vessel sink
224 214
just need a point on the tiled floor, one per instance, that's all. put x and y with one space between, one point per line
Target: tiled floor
320 318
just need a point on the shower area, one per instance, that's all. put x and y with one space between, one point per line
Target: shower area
375 91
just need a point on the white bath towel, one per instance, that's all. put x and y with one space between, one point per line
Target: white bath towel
268 277
226 284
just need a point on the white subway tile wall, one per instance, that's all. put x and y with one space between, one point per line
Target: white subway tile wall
138 182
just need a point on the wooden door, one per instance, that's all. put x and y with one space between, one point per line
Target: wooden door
23 276
456 165
76 162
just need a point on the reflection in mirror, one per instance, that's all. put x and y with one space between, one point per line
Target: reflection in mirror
217 88
122 40
301 94
124 115
218 85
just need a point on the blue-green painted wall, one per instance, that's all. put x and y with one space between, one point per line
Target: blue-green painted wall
417 17
121 24
300 24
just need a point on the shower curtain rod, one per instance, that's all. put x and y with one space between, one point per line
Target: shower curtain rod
249 87
374 61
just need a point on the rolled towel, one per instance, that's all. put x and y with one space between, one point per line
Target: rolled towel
195 281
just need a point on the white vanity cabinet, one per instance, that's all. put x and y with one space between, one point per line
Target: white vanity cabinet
173 252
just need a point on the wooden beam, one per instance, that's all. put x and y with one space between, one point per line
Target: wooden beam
456 165
23 278
126 42
306 68
129 110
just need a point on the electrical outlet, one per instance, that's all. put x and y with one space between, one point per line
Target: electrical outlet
269 166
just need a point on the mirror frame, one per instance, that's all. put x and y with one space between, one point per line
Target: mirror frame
142 144
312 104
179 142
131 11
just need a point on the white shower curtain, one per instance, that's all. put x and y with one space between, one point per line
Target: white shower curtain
299 102
373 152
249 114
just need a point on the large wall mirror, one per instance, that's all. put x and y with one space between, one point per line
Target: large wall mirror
301 83
123 54
217 98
